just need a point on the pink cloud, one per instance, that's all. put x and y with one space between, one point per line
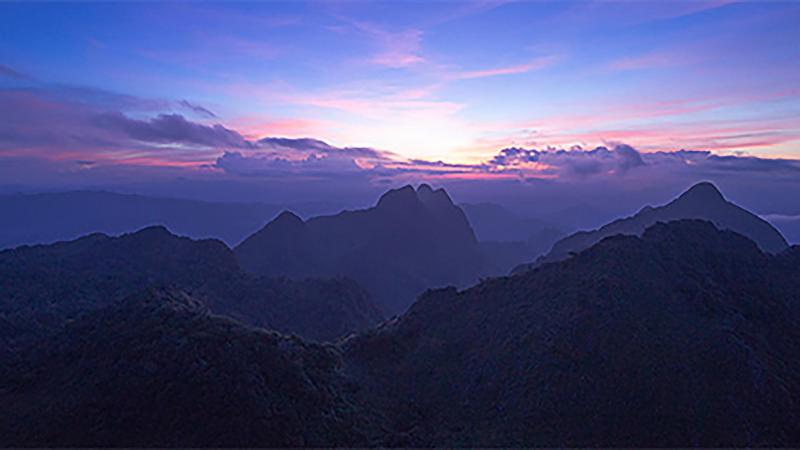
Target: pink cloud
536 64
397 49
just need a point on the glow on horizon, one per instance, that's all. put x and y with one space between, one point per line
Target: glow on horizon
421 83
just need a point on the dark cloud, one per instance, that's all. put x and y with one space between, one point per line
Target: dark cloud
171 129
64 121
573 162
318 147
197 109
277 157
270 166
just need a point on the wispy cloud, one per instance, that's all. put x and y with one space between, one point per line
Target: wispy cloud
536 64
395 49
8 72
197 109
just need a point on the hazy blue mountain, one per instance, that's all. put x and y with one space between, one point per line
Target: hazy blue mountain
495 223
685 336
410 241
44 286
701 201
508 239
789 225
47 218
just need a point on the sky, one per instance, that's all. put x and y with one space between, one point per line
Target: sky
555 103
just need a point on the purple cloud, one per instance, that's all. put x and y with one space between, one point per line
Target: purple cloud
573 162
57 122
171 129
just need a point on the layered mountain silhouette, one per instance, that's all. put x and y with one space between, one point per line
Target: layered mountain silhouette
702 201
508 239
52 217
410 241
684 336
158 370
45 286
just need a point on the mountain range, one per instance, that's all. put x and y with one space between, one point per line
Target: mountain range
671 331
409 241
702 201
46 286
684 336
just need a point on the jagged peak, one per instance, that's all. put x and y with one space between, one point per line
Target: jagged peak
403 195
424 194
434 198
424 187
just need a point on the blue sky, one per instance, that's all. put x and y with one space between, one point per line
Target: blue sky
432 89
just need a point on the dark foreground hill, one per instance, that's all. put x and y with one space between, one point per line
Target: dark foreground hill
42 287
157 370
410 241
702 201
685 336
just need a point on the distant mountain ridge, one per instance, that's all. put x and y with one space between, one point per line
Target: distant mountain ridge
44 286
409 241
52 217
702 201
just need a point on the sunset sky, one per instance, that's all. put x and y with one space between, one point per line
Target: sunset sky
96 92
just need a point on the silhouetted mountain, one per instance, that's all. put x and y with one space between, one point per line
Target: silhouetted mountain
411 240
47 218
157 370
686 336
44 286
701 201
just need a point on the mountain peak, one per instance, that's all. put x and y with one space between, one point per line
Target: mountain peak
288 217
433 199
287 223
402 197
702 193
151 232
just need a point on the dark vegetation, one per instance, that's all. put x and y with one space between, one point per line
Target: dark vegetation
158 370
682 334
686 336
